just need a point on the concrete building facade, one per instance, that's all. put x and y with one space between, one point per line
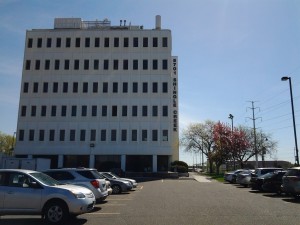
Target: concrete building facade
97 95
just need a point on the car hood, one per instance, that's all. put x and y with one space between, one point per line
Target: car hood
127 179
74 188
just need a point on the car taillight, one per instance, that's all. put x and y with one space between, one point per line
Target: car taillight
95 183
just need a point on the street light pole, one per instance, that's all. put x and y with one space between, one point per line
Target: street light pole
231 117
294 123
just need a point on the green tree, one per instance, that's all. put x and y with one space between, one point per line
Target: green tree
7 143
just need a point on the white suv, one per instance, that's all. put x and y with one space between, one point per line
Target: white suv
27 192
84 177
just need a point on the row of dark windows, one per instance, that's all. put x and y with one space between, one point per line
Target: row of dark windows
91 135
87 64
83 111
96 42
86 87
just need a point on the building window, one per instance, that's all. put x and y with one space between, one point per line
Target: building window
104 110
86 64
113 136
67 64
82 135
56 64
126 42
21 135
72 135
33 110
106 42
145 64
145 110
165 42
29 42
87 42
94 110
165 64
145 87
116 42
135 42
35 87
165 110
155 64
51 135
134 135
155 42
124 135
55 87
84 111
68 42
134 87
95 87
105 87
154 110
47 64
37 64
45 87
58 42
134 110
96 64
41 135
105 64
76 64
125 87
93 135
74 110
27 66
114 110
43 110
115 87
77 42
165 135
63 110
145 42
31 135
124 110
116 64
125 64
144 135
165 87
135 65
65 87
62 134
39 42
103 135
154 135
75 87
85 87
49 42
53 110
154 87
25 87
97 42
23 111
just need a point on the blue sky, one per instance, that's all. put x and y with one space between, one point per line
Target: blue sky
230 52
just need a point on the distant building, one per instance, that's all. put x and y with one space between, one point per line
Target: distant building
97 95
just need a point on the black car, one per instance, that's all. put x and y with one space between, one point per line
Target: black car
256 184
273 184
260 172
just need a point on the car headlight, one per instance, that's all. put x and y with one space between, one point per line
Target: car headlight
78 195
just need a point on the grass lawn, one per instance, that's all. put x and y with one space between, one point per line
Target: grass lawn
218 177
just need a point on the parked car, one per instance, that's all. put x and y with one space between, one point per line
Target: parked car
84 177
261 171
273 183
244 178
118 186
231 176
114 176
27 192
256 184
291 182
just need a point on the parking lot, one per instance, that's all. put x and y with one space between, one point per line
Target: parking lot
185 201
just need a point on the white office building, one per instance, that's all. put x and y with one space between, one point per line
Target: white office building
98 95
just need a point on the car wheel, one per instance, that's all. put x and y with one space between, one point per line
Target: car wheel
116 189
55 212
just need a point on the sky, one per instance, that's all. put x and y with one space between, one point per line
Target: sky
230 52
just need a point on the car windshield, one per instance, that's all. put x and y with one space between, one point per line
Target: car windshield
114 175
267 175
45 179
108 175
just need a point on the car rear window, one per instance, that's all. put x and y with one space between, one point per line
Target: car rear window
90 174
292 172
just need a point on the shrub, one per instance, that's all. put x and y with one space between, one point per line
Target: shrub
179 166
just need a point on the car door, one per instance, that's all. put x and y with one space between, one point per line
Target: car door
2 183
19 196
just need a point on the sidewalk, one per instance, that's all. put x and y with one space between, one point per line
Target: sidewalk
200 178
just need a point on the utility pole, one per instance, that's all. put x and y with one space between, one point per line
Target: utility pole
254 133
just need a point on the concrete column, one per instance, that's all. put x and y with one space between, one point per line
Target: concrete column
60 162
92 161
154 163
123 162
